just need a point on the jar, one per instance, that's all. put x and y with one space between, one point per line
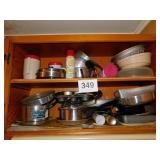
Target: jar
70 64
57 65
31 66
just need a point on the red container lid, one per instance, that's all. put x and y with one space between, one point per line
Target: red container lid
55 63
32 56
70 52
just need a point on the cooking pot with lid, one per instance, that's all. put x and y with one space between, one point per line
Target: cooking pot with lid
35 108
50 73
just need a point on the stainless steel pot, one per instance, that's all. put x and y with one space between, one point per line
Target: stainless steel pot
138 99
56 73
82 72
34 114
35 108
51 73
70 113
82 55
42 73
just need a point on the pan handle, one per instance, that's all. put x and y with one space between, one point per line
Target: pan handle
51 104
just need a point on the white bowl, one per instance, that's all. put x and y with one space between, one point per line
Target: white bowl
134 61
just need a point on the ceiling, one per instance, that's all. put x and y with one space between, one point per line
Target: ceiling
43 27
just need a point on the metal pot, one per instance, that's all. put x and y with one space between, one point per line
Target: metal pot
42 73
35 108
138 99
79 62
70 113
56 73
81 72
51 73
82 55
34 114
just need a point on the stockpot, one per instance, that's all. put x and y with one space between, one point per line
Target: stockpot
35 108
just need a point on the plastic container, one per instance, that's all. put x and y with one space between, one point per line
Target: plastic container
31 66
110 70
70 64
135 72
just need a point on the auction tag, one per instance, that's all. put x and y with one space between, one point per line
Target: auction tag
89 85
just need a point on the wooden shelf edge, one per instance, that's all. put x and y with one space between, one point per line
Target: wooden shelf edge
73 38
95 131
117 79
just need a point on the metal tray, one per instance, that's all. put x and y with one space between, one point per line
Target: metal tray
131 119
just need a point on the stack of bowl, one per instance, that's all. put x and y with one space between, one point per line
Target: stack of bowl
133 61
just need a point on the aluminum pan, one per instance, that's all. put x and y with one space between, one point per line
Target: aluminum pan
128 52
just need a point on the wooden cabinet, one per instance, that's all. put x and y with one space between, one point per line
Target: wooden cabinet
52 48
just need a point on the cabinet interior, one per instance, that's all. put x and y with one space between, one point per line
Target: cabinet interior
100 52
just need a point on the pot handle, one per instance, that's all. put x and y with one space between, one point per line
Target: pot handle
92 64
51 104
98 94
82 74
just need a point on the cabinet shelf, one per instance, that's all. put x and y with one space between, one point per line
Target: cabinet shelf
146 129
74 80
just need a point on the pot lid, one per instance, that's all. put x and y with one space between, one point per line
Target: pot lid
39 98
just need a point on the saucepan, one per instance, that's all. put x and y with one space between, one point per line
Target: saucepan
71 113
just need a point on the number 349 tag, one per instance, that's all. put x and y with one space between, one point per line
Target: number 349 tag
89 85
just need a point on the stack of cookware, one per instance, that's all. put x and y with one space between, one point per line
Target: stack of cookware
35 107
139 103
133 61
72 105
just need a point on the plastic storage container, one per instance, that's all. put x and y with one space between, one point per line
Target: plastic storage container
133 72
31 66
